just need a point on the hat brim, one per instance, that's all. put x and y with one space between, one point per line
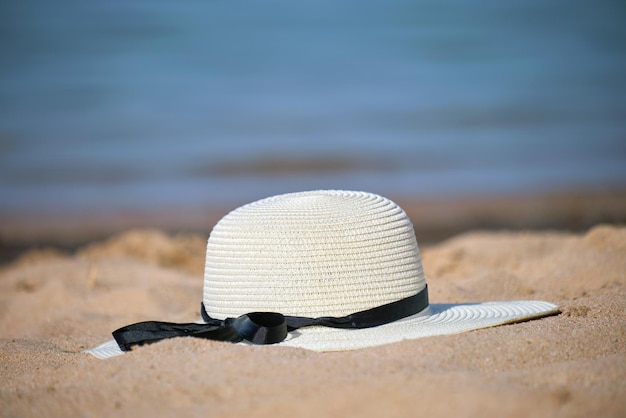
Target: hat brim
437 319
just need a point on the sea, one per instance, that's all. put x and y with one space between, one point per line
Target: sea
126 104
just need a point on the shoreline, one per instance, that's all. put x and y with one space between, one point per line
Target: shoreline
434 219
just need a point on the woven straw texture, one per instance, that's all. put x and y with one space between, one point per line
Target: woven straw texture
319 253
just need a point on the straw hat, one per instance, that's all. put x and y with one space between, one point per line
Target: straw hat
323 270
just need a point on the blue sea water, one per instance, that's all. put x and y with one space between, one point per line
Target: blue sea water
143 104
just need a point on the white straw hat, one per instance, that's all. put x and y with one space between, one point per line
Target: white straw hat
346 260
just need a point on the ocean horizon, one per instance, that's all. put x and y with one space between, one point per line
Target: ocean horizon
144 104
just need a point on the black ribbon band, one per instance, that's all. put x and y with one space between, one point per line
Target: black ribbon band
265 327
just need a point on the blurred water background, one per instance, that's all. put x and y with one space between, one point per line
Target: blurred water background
140 104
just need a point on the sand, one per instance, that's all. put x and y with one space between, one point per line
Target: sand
53 305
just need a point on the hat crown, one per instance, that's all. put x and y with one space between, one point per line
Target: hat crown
318 253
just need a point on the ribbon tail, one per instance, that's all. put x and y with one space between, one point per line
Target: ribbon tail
152 331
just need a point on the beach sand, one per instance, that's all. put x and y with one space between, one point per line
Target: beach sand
53 305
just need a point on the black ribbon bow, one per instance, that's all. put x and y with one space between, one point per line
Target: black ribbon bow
265 327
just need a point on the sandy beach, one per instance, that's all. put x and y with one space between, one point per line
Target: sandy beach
53 305
129 129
